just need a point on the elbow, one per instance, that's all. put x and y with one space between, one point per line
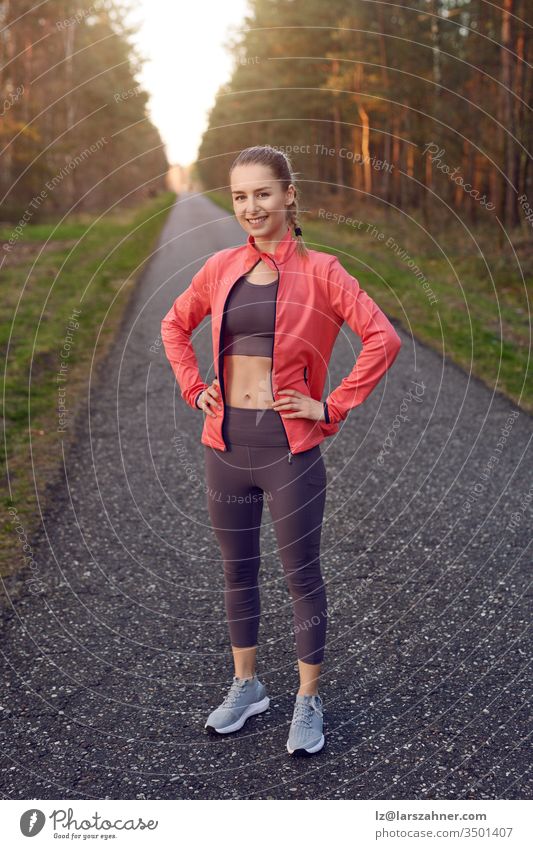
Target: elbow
170 329
165 336
386 336
394 343
164 326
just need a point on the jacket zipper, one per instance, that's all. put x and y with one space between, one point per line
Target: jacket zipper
289 458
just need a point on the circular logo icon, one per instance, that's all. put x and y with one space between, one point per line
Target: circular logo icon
31 822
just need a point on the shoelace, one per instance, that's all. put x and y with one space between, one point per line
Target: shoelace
303 714
234 691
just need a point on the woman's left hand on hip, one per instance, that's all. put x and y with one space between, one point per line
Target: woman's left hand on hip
296 405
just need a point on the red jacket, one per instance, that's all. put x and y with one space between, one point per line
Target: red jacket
316 295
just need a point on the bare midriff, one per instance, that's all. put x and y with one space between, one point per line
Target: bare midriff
247 379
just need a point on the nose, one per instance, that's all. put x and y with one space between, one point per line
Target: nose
251 206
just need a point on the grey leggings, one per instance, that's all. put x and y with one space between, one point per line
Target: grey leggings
255 468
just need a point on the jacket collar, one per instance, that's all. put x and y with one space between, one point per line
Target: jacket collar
284 249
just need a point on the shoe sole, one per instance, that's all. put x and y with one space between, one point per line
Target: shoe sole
310 751
251 710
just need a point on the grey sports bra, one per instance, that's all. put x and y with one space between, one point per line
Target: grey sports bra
249 319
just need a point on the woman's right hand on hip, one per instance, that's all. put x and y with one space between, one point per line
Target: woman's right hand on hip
209 399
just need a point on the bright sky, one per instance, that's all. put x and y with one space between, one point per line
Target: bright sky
186 64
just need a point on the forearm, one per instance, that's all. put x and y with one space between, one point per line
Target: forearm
381 346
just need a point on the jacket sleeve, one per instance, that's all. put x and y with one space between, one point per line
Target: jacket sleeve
381 343
185 314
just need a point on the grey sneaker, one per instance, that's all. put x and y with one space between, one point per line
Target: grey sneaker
306 734
246 697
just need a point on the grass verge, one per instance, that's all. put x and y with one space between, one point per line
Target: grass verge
65 288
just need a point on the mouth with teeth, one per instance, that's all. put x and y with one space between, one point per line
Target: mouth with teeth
257 221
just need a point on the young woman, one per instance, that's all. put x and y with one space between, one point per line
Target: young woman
276 309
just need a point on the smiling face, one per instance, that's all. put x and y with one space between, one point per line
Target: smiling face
259 201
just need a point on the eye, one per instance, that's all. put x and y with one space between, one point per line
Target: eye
260 194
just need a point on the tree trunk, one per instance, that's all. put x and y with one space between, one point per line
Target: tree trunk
509 162
385 178
337 135
365 149
396 157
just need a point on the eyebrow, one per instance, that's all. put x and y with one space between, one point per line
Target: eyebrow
262 189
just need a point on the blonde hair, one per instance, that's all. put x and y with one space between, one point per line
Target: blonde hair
280 165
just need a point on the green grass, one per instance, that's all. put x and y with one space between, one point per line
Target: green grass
85 264
475 293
